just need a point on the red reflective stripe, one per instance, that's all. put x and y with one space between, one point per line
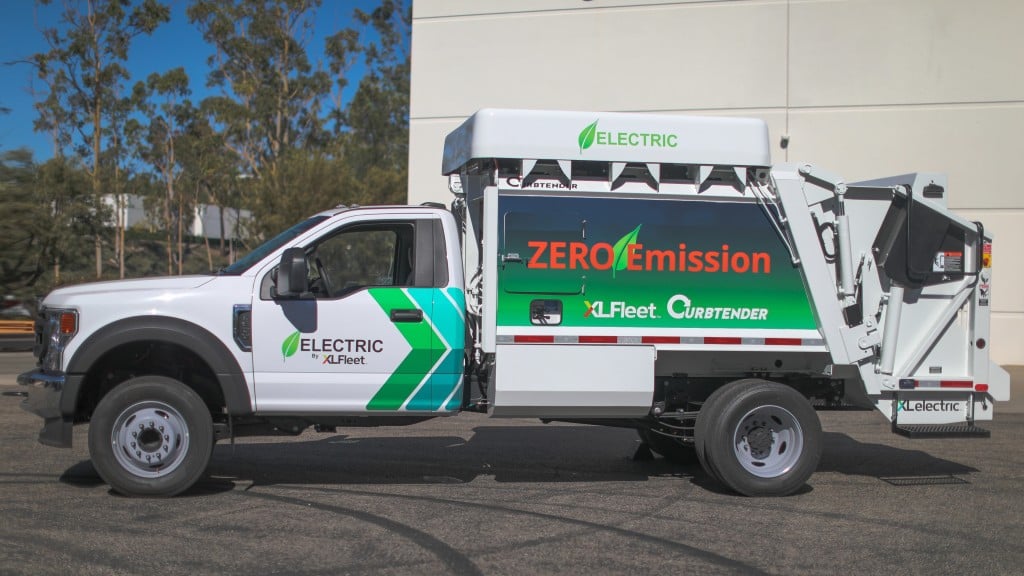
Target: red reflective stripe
722 340
599 339
783 341
660 340
956 384
981 387
534 339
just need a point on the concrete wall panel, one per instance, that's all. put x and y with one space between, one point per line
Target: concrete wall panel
883 52
426 144
685 56
443 8
974 144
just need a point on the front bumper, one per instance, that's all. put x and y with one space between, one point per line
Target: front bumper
44 399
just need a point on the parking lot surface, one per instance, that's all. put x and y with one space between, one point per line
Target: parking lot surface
474 495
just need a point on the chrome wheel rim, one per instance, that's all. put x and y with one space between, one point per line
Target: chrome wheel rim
150 439
768 441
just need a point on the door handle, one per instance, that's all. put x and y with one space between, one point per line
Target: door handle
406 315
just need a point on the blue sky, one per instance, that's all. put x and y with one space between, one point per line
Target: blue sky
176 43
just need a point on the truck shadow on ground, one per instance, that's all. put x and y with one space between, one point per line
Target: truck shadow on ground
508 454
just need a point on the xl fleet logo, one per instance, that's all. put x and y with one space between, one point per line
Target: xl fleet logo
677 307
619 309
629 254
331 351
591 136
927 406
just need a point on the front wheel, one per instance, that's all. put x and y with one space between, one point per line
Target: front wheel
151 436
759 438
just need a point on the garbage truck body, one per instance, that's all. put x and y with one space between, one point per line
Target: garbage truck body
644 271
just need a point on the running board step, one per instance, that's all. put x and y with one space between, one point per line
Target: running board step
940 431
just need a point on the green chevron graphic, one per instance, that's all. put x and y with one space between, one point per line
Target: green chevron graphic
427 349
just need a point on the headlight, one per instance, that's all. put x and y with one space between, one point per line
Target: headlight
59 328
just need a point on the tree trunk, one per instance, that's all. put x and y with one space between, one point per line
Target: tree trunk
181 219
168 227
123 226
99 256
209 255
223 246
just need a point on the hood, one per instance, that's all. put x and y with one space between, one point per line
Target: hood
160 284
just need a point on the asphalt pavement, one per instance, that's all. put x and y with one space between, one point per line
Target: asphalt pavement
474 495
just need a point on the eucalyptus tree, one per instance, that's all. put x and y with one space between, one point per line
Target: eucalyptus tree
269 90
84 69
166 111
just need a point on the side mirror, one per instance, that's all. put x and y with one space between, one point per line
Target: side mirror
292 279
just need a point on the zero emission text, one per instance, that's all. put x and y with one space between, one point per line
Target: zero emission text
601 256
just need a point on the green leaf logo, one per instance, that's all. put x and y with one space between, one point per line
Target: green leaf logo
620 251
586 139
290 345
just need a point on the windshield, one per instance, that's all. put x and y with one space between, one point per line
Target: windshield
269 246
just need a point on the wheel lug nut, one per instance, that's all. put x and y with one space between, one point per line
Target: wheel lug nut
133 445
161 428
135 434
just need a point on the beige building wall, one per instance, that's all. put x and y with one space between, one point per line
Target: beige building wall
864 88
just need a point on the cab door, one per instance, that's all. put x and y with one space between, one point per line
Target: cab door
362 340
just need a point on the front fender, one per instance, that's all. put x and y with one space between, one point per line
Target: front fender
161 329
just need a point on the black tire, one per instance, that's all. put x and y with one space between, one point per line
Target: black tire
151 436
670 449
700 427
759 438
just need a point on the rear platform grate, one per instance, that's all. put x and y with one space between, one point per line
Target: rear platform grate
940 431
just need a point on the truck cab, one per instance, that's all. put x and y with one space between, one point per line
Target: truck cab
351 314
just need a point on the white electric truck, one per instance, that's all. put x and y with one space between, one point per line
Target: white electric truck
644 271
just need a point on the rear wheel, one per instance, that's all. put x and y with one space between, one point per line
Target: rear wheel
151 436
759 438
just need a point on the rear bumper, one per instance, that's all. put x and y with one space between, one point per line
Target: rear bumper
44 400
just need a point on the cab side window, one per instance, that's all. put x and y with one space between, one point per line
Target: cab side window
363 256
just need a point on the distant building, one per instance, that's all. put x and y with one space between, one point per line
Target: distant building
206 219
134 212
207 222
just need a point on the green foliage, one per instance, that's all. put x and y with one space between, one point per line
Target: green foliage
278 138
22 225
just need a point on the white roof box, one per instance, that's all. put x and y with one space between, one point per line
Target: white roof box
607 137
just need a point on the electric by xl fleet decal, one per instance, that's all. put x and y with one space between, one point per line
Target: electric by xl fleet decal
647 263
332 350
428 377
